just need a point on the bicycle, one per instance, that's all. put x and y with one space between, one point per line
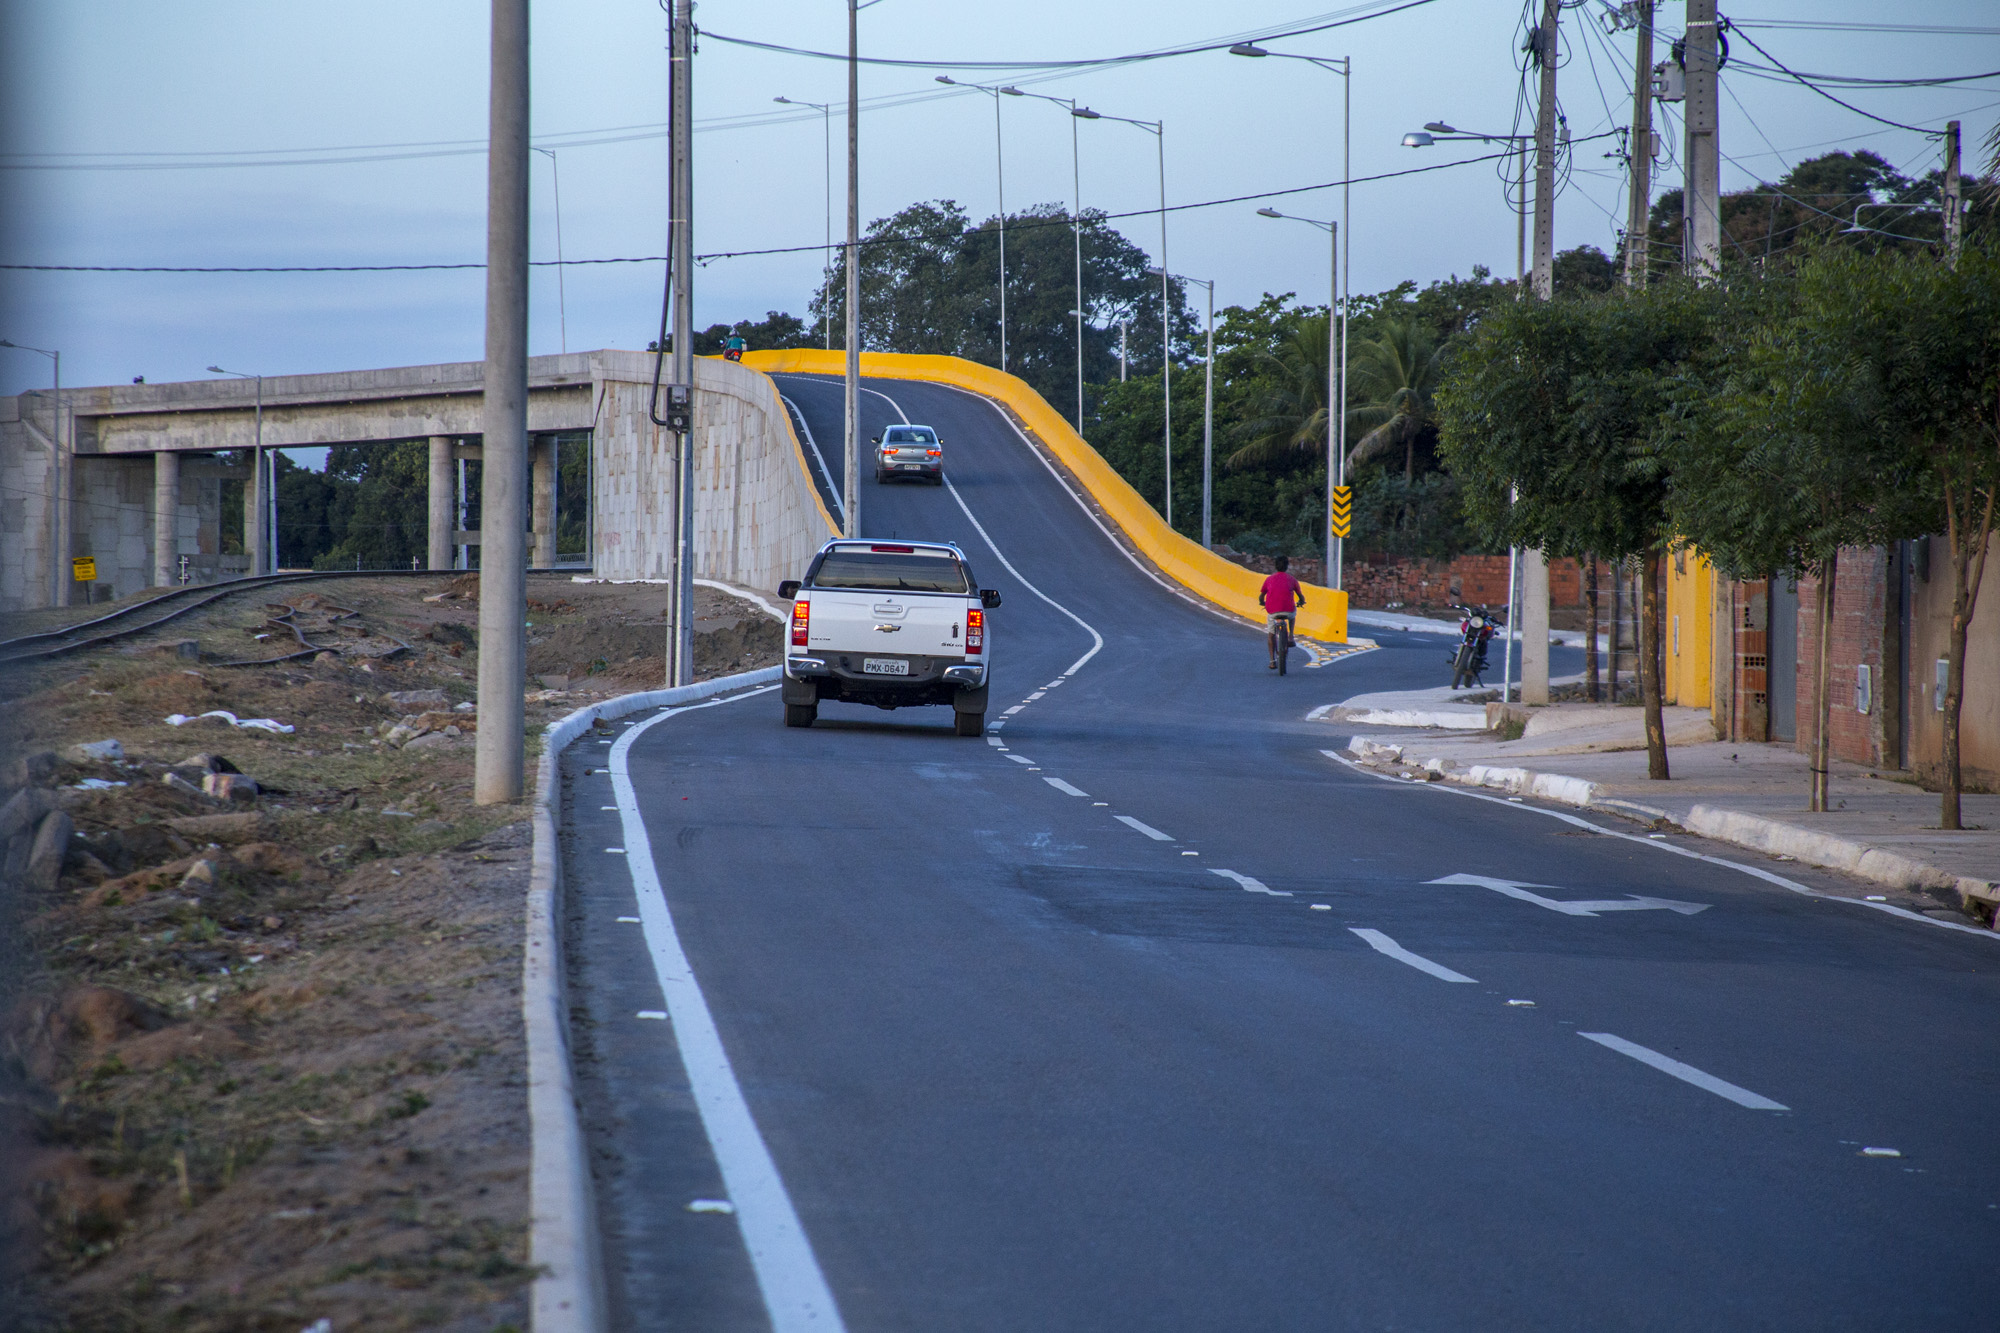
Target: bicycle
1279 638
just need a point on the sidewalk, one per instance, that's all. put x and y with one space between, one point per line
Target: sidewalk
1751 795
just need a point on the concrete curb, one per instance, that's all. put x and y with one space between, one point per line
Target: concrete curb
1755 832
563 1243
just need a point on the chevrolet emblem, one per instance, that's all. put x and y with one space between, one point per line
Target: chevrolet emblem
887 629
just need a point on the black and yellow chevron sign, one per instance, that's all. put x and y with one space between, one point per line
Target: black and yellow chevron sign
1343 510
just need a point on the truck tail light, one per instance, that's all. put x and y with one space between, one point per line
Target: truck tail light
801 621
975 632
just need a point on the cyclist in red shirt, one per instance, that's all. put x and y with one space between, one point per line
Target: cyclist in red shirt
1281 596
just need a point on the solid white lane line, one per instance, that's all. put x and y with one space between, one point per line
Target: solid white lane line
1320 712
1064 787
1686 1073
1020 759
1146 829
1382 944
795 1293
1755 872
813 445
1250 885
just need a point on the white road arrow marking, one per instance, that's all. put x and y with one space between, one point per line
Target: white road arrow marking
1590 907
1250 885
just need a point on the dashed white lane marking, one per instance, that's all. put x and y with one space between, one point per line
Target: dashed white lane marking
615 851
1036 695
1064 787
796 1297
628 920
1020 758
994 740
1382 944
1248 884
1015 709
651 1013
1685 1073
1146 829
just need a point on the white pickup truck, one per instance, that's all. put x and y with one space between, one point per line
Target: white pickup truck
893 624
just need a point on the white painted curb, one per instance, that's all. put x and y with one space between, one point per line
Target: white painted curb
1807 846
568 1294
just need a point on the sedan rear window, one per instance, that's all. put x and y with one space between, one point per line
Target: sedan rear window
886 571
909 435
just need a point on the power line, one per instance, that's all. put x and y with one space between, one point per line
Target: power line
1221 44
815 247
1803 80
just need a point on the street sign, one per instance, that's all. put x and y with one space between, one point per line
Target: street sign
1590 907
83 568
1343 510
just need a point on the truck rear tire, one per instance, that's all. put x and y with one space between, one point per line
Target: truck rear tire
801 715
969 724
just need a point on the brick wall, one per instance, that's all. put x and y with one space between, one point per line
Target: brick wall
1860 617
1469 579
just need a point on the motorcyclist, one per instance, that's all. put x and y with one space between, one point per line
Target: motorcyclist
733 347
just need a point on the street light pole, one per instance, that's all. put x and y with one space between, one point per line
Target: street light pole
851 486
1158 129
1000 172
1336 457
562 293
825 110
1075 221
59 497
1344 264
1207 419
1439 132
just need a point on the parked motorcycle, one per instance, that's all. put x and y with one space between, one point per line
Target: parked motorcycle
1468 661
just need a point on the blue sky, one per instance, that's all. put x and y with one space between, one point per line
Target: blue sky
120 78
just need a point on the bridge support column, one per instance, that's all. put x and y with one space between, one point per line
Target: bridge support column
443 510
166 518
256 522
1534 627
544 511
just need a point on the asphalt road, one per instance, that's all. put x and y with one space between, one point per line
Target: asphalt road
1143 1012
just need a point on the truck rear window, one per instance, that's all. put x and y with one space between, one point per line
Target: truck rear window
889 572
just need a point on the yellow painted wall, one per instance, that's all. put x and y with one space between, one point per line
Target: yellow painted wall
1690 629
1202 572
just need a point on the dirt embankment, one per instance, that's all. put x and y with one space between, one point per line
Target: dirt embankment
262 1060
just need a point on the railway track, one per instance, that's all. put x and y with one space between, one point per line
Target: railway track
157 611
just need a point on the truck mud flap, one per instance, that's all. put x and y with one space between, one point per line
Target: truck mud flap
971 701
801 691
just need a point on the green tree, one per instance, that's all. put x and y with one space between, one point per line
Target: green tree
378 513
1551 419
1395 375
1778 456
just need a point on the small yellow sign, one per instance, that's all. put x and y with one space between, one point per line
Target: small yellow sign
84 568
1343 511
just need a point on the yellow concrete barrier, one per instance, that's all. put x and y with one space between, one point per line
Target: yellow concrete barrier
1202 572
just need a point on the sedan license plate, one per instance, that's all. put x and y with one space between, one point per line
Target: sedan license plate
910 467
885 666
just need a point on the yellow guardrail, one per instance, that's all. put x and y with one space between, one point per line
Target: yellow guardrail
1202 572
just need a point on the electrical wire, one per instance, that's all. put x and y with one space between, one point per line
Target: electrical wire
815 247
1348 17
1806 82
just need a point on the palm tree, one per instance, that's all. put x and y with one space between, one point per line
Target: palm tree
1395 373
1290 413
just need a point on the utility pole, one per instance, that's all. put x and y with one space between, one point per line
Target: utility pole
851 488
503 577
1701 222
1534 567
680 92
1954 223
1640 208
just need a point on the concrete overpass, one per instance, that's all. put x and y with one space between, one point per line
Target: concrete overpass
132 475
